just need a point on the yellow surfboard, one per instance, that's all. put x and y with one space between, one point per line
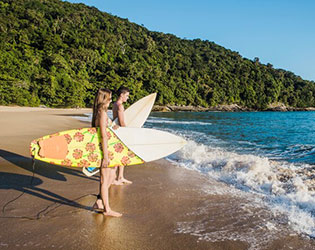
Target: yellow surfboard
82 148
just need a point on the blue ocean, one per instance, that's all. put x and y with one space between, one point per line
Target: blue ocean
268 155
283 136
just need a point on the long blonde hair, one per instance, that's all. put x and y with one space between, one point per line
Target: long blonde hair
101 98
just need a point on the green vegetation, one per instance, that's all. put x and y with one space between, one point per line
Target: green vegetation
58 54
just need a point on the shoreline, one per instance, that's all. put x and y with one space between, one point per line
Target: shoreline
166 207
227 108
170 108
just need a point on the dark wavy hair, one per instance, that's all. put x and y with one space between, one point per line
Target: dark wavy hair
122 90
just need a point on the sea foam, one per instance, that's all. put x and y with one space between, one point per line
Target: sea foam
287 189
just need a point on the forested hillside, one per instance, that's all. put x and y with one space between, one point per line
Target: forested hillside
58 54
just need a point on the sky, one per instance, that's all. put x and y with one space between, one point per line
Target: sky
280 32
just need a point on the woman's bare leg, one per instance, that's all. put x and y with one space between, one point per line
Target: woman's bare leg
106 175
99 203
121 179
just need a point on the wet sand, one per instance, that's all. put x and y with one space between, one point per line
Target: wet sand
166 207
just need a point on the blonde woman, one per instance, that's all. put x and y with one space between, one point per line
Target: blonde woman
100 119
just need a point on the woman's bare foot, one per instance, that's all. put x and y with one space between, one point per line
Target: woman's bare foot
112 213
118 183
98 205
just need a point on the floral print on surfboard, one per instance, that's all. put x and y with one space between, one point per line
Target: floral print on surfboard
85 149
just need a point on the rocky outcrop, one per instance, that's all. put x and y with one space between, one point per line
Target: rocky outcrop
227 108
277 107
174 108
159 108
187 108
230 108
282 107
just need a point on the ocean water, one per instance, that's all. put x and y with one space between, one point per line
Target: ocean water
287 136
266 155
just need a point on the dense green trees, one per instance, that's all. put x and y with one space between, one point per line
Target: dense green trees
58 54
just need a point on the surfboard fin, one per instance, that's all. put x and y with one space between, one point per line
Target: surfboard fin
90 172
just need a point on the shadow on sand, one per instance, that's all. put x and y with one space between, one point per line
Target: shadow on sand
29 183
42 168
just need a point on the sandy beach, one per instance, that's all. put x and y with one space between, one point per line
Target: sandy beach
166 207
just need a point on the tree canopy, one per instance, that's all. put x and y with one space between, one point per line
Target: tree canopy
58 54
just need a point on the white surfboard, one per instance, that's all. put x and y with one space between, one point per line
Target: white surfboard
136 115
149 144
